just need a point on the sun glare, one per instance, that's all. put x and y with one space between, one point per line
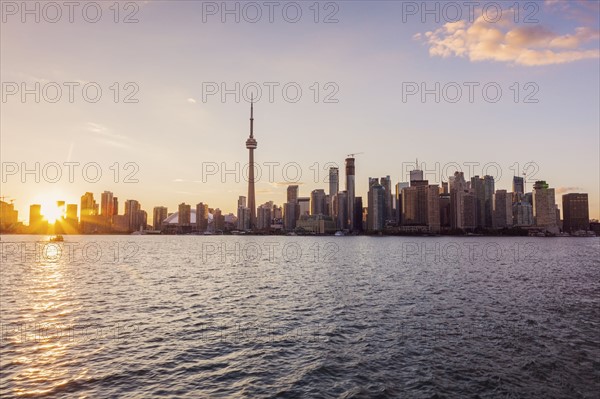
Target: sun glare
51 209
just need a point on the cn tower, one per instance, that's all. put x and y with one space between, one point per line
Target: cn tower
251 145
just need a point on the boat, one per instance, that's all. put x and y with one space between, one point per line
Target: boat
339 233
57 238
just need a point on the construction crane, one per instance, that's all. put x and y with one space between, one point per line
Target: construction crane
356 153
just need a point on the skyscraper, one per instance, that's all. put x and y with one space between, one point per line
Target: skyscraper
503 215
376 206
106 204
544 207
292 193
386 182
350 193
575 212
251 145
334 186
518 187
201 217
317 202
159 214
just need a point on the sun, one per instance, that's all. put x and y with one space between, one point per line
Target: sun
52 210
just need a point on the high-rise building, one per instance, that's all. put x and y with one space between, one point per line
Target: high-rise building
518 187
483 189
522 212
36 219
334 181
350 192
133 215
292 193
9 216
386 182
376 206
87 213
243 214
185 217
317 202
264 216
358 214
544 207
159 214
399 187
290 210
416 174
458 190
251 145
503 214
106 207
115 206
201 217
576 215
445 210
341 200
303 206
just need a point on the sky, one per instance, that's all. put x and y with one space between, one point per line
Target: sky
170 121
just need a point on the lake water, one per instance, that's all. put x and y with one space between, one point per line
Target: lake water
290 317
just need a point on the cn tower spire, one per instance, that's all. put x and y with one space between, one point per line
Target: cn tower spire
252 116
251 146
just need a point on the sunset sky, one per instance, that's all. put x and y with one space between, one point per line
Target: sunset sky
368 56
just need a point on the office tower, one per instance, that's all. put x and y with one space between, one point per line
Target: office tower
264 216
350 192
106 204
243 214
503 214
342 210
399 187
358 213
458 188
317 202
544 207
433 208
277 212
334 181
292 193
88 205
387 185
201 217
87 211
184 218
445 210
444 187
251 145
488 201
35 218
71 213
133 215
115 206
159 214
289 215
328 205
218 220
518 187
470 211
303 206
376 206
522 214
576 215
483 189
416 174
9 217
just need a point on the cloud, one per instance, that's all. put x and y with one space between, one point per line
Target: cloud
191 100
505 42
565 190
106 136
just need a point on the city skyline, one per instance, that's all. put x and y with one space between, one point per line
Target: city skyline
172 120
